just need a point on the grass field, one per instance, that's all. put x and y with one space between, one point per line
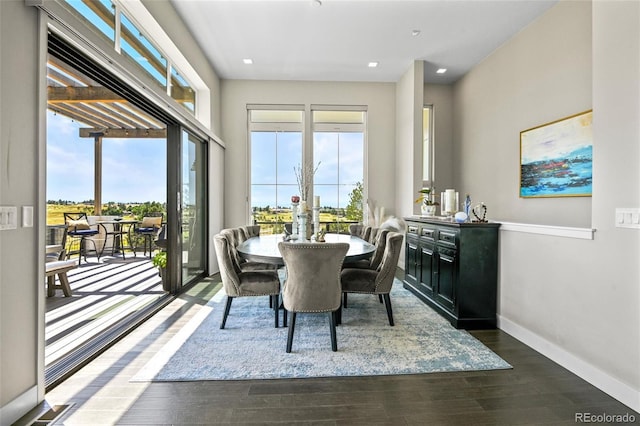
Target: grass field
55 212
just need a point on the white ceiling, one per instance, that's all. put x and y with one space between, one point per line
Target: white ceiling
335 41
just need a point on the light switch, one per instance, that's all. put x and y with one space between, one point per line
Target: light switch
627 218
8 217
27 216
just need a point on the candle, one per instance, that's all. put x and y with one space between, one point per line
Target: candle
316 201
450 200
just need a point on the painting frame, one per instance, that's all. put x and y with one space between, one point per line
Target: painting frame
556 158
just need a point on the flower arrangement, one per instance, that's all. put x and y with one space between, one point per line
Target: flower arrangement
426 197
304 177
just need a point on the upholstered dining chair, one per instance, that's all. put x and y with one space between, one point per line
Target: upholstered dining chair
380 242
251 230
375 281
361 231
78 230
237 236
238 283
356 229
148 229
312 284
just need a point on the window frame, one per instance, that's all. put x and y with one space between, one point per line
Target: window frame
428 147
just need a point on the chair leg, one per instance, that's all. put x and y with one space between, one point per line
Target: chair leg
292 325
344 302
380 298
274 301
387 303
338 315
226 311
332 326
284 317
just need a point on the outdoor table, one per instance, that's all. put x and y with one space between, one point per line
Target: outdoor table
119 229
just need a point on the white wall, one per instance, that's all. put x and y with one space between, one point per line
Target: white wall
541 75
408 136
441 97
19 166
574 300
378 97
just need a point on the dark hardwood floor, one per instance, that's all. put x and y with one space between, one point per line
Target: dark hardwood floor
535 392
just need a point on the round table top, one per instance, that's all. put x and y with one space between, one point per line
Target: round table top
264 248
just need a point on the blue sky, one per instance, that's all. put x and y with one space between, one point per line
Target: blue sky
133 170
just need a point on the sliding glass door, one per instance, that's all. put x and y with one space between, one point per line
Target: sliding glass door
193 207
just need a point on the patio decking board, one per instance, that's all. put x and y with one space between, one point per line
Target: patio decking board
104 292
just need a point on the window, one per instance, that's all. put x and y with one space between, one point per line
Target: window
98 14
128 38
338 154
332 162
427 147
141 50
276 141
181 91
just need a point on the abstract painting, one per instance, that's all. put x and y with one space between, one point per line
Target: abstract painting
556 159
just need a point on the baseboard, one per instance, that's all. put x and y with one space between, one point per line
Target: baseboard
18 407
598 378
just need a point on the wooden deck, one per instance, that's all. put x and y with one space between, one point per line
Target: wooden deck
104 292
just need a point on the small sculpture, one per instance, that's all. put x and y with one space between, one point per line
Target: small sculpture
320 236
480 213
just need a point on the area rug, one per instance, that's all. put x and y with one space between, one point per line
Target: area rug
251 348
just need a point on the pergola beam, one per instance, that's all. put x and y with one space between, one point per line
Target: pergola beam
124 133
70 94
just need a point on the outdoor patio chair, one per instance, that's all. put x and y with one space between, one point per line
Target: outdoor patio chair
78 230
148 229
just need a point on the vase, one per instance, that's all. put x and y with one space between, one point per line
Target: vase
428 209
164 276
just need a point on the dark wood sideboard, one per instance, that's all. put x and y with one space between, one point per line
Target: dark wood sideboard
453 267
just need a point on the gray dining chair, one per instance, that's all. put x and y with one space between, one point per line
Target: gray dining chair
251 230
312 284
380 242
361 231
375 281
238 283
236 236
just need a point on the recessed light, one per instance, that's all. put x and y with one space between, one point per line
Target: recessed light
316 3
247 61
415 33
441 70
373 64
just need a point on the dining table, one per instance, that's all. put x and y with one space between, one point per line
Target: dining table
117 229
264 248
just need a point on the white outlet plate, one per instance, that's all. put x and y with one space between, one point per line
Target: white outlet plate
627 218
